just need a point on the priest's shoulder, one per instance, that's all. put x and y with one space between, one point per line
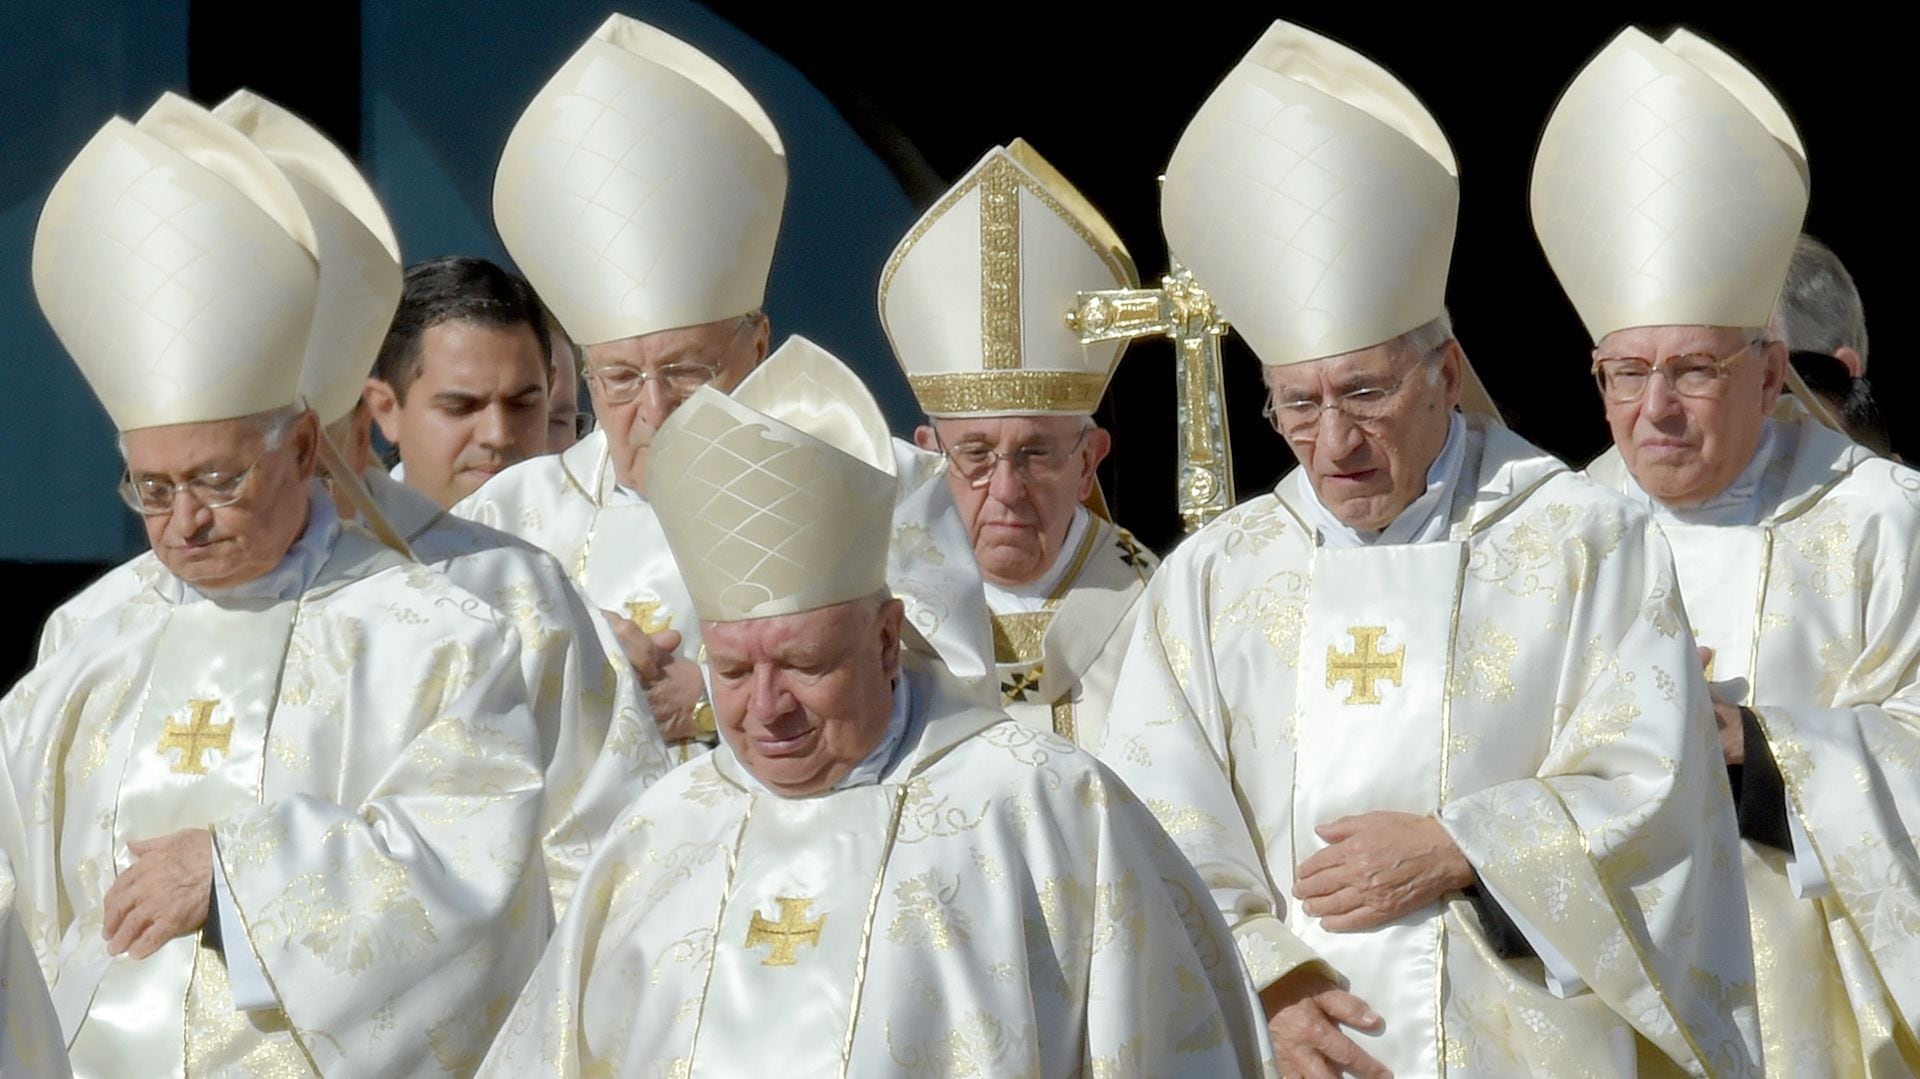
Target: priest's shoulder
1881 488
102 596
451 537
1011 758
1249 528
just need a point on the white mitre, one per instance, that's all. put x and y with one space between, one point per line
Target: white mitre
1668 189
642 189
177 266
1315 198
361 277
771 516
975 297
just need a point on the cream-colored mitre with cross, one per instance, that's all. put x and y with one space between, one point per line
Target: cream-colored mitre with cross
1668 189
1315 198
642 189
361 277
975 297
766 517
176 264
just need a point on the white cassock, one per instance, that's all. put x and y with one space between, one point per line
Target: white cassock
1805 581
1058 642
1522 671
598 737
357 738
29 1029
976 899
609 540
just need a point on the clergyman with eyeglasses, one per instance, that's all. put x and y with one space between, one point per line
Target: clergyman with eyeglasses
662 287
1426 717
1796 547
973 300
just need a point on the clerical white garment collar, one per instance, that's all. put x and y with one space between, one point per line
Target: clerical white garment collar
1033 595
1739 503
1425 518
296 570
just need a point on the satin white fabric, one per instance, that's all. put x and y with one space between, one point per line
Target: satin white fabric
1815 606
374 810
994 905
1547 708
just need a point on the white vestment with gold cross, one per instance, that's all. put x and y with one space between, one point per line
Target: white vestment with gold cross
1528 679
1057 664
1815 607
367 762
993 904
610 541
597 734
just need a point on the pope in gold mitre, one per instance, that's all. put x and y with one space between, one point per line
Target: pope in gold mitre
1668 194
973 299
877 870
1426 716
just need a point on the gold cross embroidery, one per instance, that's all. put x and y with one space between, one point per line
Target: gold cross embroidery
646 614
783 936
197 737
1365 666
1016 689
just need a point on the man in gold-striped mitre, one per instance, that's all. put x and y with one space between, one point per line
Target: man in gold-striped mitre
1668 194
278 810
877 872
641 193
974 300
1427 717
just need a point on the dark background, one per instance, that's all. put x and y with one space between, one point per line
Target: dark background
1102 92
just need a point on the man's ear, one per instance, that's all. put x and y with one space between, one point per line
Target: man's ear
892 620
923 437
1453 372
1855 365
306 444
762 338
1099 444
381 400
1774 355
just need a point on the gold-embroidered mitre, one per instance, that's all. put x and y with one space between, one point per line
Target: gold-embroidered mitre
642 189
361 278
176 265
1315 198
1668 189
769 516
975 297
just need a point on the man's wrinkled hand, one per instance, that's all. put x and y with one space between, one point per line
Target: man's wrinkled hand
1378 867
673 698
163 895
648 654
1305 1011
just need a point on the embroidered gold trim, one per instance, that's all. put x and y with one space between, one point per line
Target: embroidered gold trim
866 934
992 392
1000 265
1063 722
1017 637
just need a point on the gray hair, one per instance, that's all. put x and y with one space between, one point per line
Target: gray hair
1819 308
1426 339
274 425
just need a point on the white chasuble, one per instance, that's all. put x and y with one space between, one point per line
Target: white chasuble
370 774
994 905
30 1038
1529 681
1815 606
610 541
598 736
1056 664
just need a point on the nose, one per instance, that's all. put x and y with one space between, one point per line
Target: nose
1659 401
1339 435
1004 482
188 515
493 430
769 699
656 404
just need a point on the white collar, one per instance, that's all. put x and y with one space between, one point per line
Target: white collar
1033 595
297 569
1739 503
907 700
1425 518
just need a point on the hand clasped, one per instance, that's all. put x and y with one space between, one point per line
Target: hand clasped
1379 866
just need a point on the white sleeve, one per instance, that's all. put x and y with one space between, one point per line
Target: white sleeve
1562 978
1804 873
244 976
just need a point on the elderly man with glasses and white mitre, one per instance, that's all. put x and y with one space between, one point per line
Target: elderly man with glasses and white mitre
1796 547
280 811
1427 717
649 232
973 300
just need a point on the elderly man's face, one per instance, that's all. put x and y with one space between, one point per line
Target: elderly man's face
1017 481
478 405
234 544
563 395
1367 470
1683 450
803 698
637 382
